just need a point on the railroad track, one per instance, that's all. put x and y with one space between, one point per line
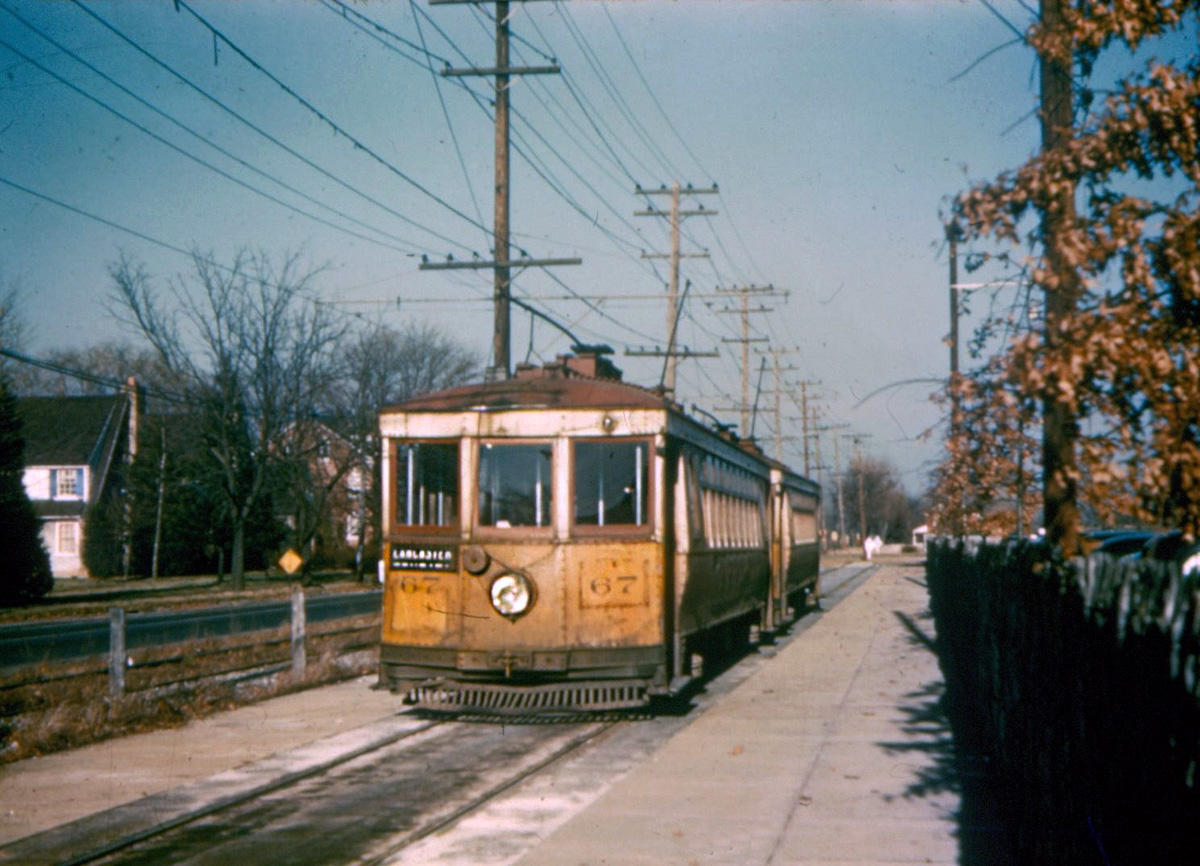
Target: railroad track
390 797
430 776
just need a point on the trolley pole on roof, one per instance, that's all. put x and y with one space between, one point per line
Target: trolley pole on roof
502 263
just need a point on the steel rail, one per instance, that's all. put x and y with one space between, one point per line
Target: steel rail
131 839
454 816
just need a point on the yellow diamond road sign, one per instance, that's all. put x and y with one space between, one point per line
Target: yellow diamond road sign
290 561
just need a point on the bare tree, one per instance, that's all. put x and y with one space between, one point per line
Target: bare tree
13 331
253 353
383 366
876 502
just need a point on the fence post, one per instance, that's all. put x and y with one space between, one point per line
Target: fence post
116 651
299 658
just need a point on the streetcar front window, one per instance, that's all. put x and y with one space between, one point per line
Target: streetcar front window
611 483
426 484
514 485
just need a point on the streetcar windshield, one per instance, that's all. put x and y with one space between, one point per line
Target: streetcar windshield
426 484
610 483
514 485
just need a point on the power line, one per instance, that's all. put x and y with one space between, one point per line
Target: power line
437 86
268 136
109 108
614 93
93 378
326 119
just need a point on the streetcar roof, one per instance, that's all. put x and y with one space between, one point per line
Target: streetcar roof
559 390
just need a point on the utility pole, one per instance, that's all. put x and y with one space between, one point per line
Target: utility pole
768 291
857 438
501 264
804 417
862 497
777 374
841 506
818 429
952 231
674 215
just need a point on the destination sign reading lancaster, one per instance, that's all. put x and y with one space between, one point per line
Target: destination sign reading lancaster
424 557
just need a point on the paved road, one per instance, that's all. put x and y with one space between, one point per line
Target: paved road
62 639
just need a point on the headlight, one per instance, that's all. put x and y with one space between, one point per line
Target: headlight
1192 563
512 594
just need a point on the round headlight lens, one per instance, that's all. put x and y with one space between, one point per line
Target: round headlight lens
512 594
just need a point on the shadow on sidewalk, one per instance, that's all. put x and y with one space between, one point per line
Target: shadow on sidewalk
982 837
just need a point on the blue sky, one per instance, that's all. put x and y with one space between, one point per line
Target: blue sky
836 131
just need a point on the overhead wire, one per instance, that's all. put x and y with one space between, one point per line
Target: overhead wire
437 85
262 132
193 254
180 125
614 92
527 153
336 127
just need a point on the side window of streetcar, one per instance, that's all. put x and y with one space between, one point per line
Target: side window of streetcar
426 484
514 485
610 483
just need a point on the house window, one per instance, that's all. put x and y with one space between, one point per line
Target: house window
66 483
67 542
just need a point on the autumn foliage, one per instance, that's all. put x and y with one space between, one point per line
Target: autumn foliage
1115 201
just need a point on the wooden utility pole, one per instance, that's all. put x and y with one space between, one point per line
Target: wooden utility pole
1060 428
744 311
952 239
501 264
777 372
958 524
841 506
862 498
674 215
804 418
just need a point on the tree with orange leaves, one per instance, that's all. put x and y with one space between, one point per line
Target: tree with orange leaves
1115 367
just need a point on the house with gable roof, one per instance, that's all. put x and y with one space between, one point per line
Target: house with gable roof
74 450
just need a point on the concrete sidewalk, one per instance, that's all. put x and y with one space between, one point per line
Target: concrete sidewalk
826 755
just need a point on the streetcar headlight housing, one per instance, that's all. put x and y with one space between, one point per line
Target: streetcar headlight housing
512 594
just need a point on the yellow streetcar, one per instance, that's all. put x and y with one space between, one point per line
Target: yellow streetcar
564 540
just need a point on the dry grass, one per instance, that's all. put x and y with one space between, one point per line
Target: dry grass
54 707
